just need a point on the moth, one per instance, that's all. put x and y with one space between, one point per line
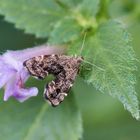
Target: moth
64 68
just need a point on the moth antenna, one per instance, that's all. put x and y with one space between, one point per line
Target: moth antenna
94 65
83 43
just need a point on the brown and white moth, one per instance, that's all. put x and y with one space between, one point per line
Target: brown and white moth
64 68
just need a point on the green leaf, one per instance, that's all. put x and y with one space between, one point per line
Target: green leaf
64 31
89 7
35 120
37 17
69 3
44 16
111 63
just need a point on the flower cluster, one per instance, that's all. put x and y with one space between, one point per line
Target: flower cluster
13 75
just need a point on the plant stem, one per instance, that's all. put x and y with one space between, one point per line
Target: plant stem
103 13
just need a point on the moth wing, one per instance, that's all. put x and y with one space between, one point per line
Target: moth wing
36 65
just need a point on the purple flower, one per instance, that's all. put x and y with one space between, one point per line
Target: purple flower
13 75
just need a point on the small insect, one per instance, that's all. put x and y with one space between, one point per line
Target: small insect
64 68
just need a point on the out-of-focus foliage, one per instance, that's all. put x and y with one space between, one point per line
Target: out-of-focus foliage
36 17
103 117
36 120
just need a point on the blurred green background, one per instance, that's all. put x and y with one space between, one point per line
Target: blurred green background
103 116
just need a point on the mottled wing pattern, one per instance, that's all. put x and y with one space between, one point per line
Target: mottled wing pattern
64 68
39 66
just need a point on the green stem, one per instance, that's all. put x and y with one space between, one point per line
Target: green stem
103 13
61 4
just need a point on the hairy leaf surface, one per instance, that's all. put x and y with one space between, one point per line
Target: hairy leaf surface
112 63
35 120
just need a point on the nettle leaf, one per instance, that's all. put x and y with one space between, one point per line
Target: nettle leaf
46 16
37 17
35 120
65 30
69 3
89 7
112 63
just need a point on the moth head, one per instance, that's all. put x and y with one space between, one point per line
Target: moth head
80 59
